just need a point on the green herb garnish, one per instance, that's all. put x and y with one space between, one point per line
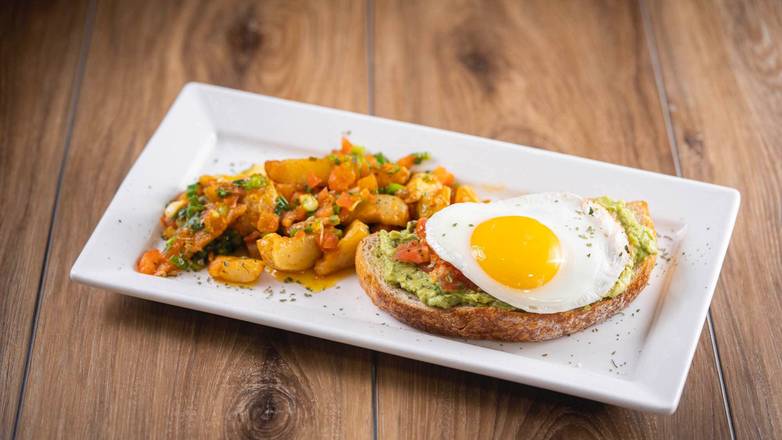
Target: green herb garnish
420 157
391 188
253 182
280 205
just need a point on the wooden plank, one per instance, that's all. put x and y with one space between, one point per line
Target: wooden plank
722 66
109 366
39 53
571 77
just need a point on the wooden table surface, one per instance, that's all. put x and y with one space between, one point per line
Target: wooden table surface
682 87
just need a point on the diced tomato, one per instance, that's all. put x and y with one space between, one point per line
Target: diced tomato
444 176
325 197
420 228
149 262
448 277
347 201
342 177
324 211
291 217
252 237
415 252
347 147
313 181
407 161
329 239
268 222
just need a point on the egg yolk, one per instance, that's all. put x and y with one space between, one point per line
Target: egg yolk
517 251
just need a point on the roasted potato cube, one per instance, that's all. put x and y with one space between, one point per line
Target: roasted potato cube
297 170
433 202
386 209
465 193
236 269
344 256
421 184
290 254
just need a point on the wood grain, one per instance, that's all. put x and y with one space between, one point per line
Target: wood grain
574 77
104 365
722 66
39 53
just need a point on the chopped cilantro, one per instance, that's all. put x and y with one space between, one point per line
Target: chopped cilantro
280 205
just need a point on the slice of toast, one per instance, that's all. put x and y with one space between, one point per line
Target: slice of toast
491 322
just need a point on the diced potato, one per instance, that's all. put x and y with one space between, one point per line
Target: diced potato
386 209
342 177
289 253
464 194
236 269
344 256
433 202
421 184
297 170
368 182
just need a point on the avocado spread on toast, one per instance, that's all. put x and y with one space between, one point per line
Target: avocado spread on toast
414 280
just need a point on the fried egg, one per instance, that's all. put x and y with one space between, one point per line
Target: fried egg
542 253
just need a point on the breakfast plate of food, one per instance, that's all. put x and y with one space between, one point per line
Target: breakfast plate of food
551 270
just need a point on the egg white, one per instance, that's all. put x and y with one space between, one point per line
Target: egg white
593 248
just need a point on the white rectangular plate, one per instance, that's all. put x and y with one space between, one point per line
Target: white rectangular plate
638 359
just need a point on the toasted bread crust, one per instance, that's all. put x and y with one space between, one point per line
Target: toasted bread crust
491 322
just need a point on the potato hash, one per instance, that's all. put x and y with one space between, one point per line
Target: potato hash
297 214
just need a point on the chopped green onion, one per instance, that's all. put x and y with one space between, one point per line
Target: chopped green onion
308 202
222 193
179 262
380 158
391 188
420 157
358 150
170 242
253 182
